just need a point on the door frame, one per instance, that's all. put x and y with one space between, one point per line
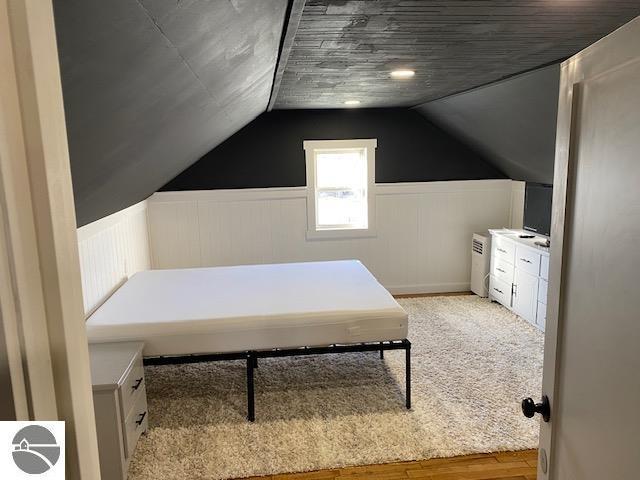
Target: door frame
613 50
41 294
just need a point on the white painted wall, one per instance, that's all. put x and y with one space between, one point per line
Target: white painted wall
422 242
111 250
517 204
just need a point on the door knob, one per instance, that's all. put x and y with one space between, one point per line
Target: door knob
530 408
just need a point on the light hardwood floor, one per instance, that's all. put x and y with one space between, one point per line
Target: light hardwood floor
490 466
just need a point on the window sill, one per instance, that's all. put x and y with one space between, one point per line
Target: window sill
339 234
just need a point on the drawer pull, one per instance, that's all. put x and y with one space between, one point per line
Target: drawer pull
498 290
501 270
502 250
137 384
525 260
141 419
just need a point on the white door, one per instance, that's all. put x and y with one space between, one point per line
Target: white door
592 354
525 295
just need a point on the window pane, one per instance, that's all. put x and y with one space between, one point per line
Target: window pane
341 188
342 208
341 169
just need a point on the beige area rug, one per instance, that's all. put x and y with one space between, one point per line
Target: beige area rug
472 363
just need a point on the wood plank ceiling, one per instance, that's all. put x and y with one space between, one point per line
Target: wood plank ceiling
345 49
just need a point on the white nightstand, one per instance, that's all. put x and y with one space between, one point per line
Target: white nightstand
120 403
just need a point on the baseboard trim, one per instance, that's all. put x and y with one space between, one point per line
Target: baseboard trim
439 294
429 288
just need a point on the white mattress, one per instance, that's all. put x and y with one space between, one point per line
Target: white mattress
252 307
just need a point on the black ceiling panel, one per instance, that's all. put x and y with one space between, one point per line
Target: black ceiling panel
151 85
345 49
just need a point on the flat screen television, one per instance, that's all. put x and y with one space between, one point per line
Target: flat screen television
537 208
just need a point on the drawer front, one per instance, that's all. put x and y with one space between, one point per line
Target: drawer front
500 291
544 267
502 270
542 291
541 316
528 261
136 422
503 249
132 385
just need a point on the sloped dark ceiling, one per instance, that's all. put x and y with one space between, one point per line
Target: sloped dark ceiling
512 122
151 85
345 49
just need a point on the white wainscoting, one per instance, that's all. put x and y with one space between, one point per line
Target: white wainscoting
422 242
111 250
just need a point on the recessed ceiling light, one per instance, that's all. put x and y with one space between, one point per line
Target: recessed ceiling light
403 73
352 102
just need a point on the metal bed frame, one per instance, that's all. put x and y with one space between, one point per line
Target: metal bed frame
252 356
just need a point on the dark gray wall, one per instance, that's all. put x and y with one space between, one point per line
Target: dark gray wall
269 153
151 85
512 122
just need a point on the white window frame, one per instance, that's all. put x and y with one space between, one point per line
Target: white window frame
311 147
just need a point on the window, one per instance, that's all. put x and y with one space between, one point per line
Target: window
340 179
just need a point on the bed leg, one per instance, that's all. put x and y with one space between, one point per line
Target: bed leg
381 351
407 351
251 409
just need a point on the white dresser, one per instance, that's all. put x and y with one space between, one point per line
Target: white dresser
120 403
519 274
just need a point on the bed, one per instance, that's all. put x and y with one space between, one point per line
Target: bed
253 311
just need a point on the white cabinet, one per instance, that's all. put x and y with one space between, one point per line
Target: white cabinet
525 295
544 267
542 295
541 316
519 272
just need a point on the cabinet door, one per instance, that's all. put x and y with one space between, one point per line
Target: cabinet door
541 316
544 267
543 286
525 295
